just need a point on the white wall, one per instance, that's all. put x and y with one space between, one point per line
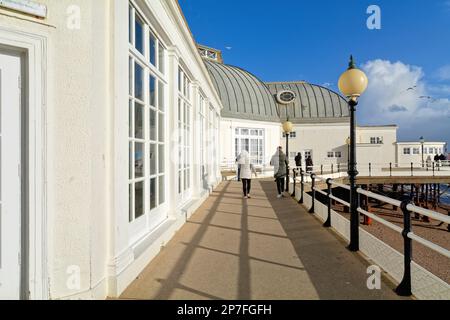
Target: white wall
272 136
332 137
406 159
85 99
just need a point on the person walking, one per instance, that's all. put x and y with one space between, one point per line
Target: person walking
298 160
279 162
246 170
309 165
238 168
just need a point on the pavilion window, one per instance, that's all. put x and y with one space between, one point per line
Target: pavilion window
146 118
251 140
406 150
184 137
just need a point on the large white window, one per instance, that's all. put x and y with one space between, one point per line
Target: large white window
146 118
202 123
251 140
184 129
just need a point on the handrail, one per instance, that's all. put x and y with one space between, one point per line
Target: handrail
405 286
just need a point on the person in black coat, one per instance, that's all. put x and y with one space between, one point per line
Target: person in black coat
298 160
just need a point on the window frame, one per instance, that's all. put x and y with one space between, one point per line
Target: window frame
154 203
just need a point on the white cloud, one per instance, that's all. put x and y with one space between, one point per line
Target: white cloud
444 73
393 97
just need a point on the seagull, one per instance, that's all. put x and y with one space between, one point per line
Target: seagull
428 98
411 88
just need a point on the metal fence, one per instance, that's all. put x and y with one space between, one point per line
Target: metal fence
407 207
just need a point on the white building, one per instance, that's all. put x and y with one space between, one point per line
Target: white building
110 114
113 129
418 153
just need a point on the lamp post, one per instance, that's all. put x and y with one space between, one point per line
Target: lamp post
352 83
287 128
422 142
347 142
286 98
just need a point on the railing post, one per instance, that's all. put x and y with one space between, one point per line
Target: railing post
404 288
302 186
327 223
412 169
339 168
433 168
448 226
294 171
390 169
313 185
321 170
370 169
332 168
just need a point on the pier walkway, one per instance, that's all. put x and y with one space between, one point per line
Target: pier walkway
260 248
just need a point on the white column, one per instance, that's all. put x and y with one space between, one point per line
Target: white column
195 140
172 124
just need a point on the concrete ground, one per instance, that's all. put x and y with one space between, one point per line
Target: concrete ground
261 248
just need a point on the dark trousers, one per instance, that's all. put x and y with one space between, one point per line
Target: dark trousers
246 186
280 185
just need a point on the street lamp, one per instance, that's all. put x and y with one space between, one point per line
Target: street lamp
347 142
284 98
422 142
287 128
352 83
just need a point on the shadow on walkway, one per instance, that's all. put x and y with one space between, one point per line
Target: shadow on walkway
335 272
262 248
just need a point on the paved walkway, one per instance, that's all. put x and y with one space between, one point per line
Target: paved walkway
261 248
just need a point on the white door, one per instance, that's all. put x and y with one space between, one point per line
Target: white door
10 193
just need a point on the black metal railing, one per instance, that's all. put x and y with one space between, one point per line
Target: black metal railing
407 207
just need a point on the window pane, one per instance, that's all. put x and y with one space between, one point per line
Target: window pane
152 159
152 194
161 128
161 96
152 50
139 199
139 34
162 185
130 119
180 74
138 82
161 158
139 121
161 58
130 158
152 125
130 22
138 160
130 202
152 91
130 75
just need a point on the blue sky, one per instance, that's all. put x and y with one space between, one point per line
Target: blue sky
312 40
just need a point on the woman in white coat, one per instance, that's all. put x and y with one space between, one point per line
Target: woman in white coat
246 172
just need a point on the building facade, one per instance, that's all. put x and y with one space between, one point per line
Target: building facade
113 122
115 125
